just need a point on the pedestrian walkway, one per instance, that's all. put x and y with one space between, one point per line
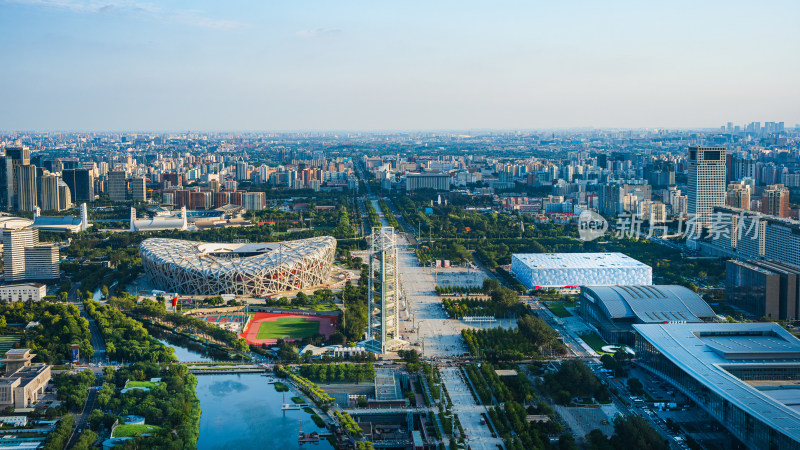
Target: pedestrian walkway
468 411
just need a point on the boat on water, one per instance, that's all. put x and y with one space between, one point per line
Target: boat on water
290 406
311 437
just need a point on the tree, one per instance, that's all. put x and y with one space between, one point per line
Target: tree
596 440
409 356
567 442
95 419
611 363
636 432
490 285
337 338
635 386
301 299
104 291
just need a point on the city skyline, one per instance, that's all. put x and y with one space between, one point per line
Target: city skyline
111 66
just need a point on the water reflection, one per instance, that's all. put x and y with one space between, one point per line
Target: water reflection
186 349
244 412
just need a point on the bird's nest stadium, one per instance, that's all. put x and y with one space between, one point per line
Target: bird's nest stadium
199 268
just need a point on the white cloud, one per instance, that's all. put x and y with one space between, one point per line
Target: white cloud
184 16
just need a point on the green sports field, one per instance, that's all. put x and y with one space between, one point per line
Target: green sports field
287 328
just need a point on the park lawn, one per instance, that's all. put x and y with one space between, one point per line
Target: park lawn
144 384
292 327
558 309
595 341
131 430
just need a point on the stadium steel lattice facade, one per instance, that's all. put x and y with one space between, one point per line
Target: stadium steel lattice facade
199 268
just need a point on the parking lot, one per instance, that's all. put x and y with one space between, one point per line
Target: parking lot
582 420
459 276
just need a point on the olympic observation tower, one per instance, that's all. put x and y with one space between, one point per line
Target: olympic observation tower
383 334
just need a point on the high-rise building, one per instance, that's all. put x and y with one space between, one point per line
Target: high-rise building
64 196
49 199
201 200
677 202
775 200
117 186
241 170
236 198
6 182
27 192
221 199
81 184
752 235
21 154
41 262
24 258
139 189
763 288
15 241
738 195
253 201
706 187
435 181
14 157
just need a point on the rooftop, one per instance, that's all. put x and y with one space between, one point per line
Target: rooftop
14 222
709 352
578 260
650 304
56 221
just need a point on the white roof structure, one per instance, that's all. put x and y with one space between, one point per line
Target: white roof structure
199 268
649 304
158 222
537 270
14 223
720 357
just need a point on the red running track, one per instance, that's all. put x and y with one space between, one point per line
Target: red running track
327 326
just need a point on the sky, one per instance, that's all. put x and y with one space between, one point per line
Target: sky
119 65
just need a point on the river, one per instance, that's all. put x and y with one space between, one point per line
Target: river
186 350
244 412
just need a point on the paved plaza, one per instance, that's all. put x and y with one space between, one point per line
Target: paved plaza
424 323
467 410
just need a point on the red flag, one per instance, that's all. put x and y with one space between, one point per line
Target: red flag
175 302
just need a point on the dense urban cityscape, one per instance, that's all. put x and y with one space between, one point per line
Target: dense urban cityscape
414 225
580 288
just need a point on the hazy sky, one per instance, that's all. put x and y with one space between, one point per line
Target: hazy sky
312 65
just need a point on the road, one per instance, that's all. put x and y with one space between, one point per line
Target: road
82 418
98 344
570 332
573 342
96 339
